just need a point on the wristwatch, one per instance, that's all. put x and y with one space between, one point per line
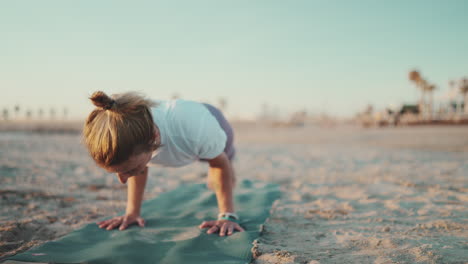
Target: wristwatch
228 216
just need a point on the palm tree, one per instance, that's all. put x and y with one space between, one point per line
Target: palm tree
40 113
430 89
5 114
452 84
423 85
28 114
222 102
464 91
52 113
65 113
415 77
175 96
265 112
17 110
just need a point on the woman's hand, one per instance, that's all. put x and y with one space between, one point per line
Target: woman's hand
224 227
122 222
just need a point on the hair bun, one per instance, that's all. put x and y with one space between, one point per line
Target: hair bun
102 100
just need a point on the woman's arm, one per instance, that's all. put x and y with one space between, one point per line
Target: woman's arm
135 190
221 176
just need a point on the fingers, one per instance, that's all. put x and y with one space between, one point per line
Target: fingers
213 229
109 221
113 224
230 230
223 229
124 224
207 224
130 220
106 223
141 222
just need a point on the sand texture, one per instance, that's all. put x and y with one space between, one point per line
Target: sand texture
349 195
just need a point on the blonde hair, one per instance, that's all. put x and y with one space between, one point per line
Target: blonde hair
119 126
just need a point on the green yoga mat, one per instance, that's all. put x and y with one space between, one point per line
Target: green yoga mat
171 234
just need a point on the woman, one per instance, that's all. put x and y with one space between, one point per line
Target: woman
126 133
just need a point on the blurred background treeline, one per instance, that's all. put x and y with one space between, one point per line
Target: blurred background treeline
449 108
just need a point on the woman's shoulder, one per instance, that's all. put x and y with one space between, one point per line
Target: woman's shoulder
181 114
180 107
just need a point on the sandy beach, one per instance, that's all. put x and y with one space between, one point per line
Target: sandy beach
349 195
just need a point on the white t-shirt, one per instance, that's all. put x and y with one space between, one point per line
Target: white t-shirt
189 132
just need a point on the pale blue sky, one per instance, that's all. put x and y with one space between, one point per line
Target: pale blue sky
333 56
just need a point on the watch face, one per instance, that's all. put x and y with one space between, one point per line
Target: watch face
229 216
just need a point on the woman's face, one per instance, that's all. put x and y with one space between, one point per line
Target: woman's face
134 166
